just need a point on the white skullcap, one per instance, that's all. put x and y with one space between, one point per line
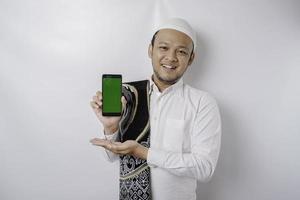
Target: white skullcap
181 25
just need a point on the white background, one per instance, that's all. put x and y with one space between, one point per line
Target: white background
52 55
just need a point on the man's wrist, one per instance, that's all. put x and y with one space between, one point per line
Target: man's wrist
141 152
110 130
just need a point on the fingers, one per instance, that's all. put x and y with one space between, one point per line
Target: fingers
101 142
94 105
99 94
96 102
98 98
115 147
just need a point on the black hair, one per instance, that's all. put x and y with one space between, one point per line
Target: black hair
153 38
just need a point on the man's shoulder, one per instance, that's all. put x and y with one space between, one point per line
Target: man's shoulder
197 94
190 90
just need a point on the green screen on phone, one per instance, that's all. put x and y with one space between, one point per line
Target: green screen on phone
111 90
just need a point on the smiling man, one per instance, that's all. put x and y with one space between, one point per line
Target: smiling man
184 142
171 54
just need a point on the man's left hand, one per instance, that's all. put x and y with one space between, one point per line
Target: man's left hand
129 147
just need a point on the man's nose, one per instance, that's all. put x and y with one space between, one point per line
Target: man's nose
171 56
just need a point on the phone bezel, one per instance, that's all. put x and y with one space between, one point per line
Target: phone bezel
111 76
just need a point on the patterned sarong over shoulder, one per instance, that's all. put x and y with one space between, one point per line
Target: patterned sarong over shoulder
135 125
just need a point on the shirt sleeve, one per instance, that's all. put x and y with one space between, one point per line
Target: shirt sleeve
200 163
110 156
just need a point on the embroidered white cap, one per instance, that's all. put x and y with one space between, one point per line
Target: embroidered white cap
179 25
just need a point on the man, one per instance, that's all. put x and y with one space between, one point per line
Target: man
185 122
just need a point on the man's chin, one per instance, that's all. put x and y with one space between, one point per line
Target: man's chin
167 80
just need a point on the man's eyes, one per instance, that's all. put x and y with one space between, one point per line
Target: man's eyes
183 52
163 48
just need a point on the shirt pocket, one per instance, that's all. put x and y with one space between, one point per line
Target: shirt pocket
173 135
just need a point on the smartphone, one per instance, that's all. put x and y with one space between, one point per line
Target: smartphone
111 94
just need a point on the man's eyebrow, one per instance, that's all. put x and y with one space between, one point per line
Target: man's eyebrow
184 47
179 46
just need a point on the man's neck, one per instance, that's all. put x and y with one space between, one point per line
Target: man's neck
159 84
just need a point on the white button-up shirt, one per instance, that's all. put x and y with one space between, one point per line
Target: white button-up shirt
185 140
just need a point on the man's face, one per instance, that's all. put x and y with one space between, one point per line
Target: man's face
170 55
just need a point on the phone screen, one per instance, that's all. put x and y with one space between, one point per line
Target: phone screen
111 94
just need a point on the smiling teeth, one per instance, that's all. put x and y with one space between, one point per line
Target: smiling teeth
169 67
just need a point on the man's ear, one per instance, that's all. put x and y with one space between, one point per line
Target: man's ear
191 59
150 49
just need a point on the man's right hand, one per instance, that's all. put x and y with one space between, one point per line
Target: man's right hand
110 123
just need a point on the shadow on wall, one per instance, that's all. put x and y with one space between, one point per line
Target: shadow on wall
227 170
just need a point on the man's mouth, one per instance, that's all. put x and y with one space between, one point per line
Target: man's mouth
169 66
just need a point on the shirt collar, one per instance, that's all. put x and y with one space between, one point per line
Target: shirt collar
154 88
